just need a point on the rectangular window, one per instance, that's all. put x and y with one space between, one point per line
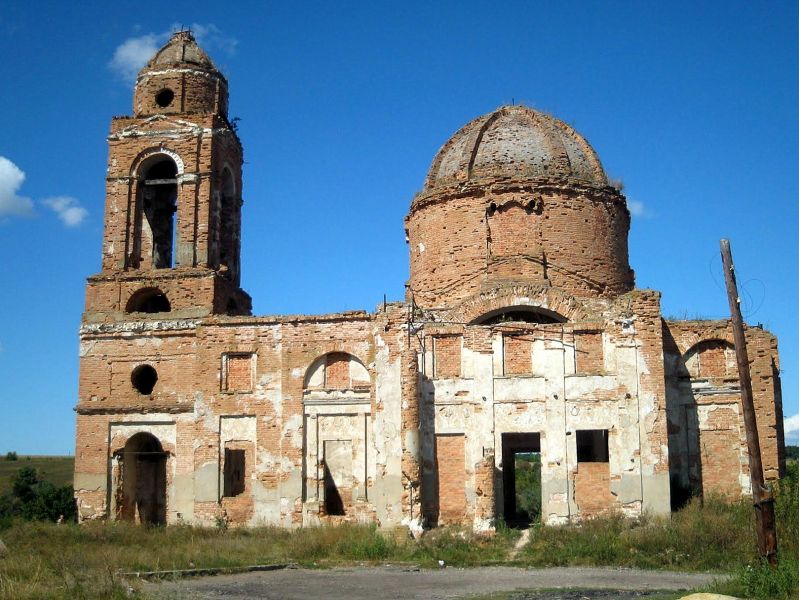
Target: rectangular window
447 356
589 357
234 473
592 445
238 372
518 350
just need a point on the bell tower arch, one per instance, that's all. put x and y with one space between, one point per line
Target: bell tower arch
173 194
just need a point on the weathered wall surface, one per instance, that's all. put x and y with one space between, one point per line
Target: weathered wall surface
521 333
707 438
572 237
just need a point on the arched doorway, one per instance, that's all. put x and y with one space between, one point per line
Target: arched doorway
143 481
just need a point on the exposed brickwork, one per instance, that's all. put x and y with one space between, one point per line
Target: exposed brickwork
239 372
337 371
592 489
400 408
450 463
518 354
447 355
578 243
589 355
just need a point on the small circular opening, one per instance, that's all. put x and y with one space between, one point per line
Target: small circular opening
164 98
143 379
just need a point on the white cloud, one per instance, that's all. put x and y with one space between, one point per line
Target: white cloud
637 209
11 178
791 425
132 54
211 38
68 209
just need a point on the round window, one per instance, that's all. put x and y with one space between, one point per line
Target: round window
164 98
143 379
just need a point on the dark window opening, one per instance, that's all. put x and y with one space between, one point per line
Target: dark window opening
234 473
143 379
150 300
592 445
228 227
164 98
159 205
520 315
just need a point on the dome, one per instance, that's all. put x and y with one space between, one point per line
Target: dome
182 49
519 142
180 78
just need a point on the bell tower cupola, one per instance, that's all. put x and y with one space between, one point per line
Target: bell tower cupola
172 238
180 78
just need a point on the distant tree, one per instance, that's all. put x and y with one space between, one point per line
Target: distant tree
11 456
34 499
792 452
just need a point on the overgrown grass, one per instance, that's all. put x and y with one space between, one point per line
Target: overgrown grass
83 562
713 535
70 561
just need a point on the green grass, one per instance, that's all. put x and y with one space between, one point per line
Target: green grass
69 561
58 470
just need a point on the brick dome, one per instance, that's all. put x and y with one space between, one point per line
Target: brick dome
181 49
180 78
519 142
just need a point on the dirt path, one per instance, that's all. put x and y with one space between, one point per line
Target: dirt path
407 583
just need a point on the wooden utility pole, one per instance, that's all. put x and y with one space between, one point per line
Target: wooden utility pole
762 498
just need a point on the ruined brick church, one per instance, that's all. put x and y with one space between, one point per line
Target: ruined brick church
521 334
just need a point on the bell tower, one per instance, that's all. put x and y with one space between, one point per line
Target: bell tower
172 237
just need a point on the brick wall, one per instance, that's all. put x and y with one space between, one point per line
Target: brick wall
589 356
450 462
518 351
337 371
582 233
592 489
239 372
447 355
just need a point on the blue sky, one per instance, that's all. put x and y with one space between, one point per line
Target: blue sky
342 107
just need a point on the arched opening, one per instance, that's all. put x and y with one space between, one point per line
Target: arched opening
336 371
144 378
337 397
143 481
519 314
711 359
228 226
158 192
148 300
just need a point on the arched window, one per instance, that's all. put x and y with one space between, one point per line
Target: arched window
148 300
711 359
519 314
157 193
337 371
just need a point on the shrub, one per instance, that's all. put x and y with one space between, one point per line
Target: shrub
33 499
11 456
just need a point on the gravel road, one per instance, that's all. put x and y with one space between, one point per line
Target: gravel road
409 583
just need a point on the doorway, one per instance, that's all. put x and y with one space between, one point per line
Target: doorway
521 478
143 481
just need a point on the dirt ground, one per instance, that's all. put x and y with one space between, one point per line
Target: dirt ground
409 583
